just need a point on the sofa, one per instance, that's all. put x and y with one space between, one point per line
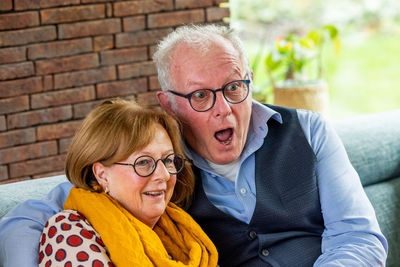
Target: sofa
373 145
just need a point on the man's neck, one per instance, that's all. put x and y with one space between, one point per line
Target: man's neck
228 171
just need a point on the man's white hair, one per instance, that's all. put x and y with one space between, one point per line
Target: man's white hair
200 37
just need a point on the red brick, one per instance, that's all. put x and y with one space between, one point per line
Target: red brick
20 87
31 151
140 38
3 125
63 97
120 88
109 10
14 104
72 14
182 4
27 36
89 28
57 131
93 1
83 109
147 99
60 48
17 137
19 20
3 173
5 6
64 144
48 174
57 65
175 18
12 55
37 166
152 50
153 83
135 23
14 180
43 116
103 42
16 70
137 69
48 82
119 56
218 2
36 4
79 78
217 13
128 8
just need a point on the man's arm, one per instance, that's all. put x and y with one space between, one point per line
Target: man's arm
21 228
352 236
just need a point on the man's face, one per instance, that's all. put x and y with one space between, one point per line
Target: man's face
219 134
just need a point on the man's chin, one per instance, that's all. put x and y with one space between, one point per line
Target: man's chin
224 158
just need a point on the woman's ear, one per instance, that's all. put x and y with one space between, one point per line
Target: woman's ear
100 172
165 103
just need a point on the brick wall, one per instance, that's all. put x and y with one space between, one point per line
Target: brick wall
60 58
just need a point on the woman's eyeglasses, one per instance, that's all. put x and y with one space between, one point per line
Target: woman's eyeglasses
144 166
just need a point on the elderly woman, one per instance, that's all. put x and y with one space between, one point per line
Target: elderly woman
125 162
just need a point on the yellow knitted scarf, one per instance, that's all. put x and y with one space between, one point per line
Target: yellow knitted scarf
131 242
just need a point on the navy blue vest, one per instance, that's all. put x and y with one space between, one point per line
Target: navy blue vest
287 223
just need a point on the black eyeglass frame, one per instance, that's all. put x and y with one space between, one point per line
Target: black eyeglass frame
155 164
189 96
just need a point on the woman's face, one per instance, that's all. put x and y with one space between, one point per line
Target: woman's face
145 197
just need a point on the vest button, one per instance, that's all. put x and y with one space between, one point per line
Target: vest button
252 234
265 252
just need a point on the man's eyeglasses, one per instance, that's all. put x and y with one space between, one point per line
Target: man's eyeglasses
144 166
202 100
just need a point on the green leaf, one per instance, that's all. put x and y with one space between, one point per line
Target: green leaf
271 63
333 31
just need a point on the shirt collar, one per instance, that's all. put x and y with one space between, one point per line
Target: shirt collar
258 129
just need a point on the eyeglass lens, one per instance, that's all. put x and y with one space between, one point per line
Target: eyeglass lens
204 99
145 165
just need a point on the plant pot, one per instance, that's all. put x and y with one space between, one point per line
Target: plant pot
311 95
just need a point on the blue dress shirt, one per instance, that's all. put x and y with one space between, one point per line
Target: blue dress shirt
351 238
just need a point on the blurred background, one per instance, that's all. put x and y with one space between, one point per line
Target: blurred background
363 76
59 59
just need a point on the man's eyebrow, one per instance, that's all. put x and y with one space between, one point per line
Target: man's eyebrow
229 78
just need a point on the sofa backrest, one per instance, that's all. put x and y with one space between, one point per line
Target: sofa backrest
372 143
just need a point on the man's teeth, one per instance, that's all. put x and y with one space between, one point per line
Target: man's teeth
154 193
227 141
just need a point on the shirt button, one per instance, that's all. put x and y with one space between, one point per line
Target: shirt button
243 191
252 234
265 252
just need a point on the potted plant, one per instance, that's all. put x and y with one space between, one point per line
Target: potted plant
295 69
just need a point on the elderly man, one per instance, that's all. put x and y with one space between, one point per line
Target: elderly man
274 187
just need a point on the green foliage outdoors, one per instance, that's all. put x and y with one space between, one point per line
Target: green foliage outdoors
363 78
290 55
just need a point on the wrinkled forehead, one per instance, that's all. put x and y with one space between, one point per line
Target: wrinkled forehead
204 59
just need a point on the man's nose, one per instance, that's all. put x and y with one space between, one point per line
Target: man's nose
221 106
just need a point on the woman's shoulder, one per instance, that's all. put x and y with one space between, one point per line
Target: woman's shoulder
69 238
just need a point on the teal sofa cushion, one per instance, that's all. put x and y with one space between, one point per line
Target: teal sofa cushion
13 194
373 145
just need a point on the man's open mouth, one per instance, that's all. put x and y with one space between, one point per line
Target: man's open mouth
224 136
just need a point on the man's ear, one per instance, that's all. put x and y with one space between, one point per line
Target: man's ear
165 103
100 172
